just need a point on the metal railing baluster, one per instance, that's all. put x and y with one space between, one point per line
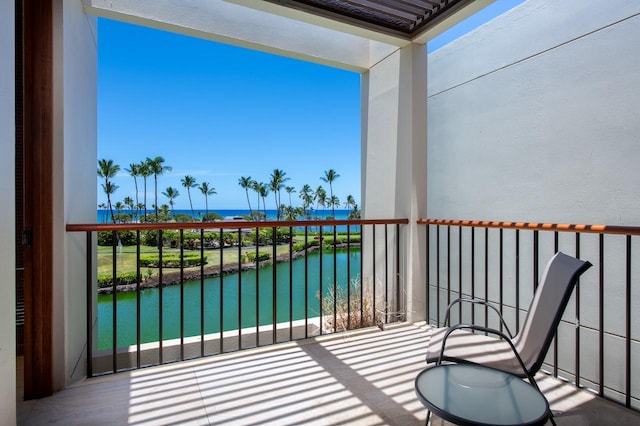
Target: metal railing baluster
160 301
221 291
348 277
291 283
577 319
257 264
335 280
192 324
114 295
138 307
438 276
182 294
89 299
274 286
386 274
240 288
627 307
601 314
202 313
578 339
397 274
306 282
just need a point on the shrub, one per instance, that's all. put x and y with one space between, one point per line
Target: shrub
329 241
172 260
347 310
127 238
150 238
261 256
211 217
183 217
300 245
106 280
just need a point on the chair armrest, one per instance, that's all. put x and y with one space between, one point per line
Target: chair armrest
489 331
478 302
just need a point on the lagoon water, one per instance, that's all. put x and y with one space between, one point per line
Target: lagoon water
239 300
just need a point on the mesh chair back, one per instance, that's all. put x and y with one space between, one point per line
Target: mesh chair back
549 302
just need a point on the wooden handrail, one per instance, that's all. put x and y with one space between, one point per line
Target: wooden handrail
94 227
534 226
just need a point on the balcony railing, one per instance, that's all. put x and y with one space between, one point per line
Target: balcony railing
597 345
216 287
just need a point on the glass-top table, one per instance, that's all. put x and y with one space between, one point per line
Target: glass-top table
467 394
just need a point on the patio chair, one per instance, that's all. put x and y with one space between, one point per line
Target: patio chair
523 354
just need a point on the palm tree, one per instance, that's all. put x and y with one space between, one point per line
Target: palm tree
320 196
171 193
355 214
256 187
134 172
290 212
306 195
120 217
329 176
145 171
245 183
334 201
289 190
276 184
351 202
206 191
128 201
164 212
109 188
157 168
189 182
263 191
107 169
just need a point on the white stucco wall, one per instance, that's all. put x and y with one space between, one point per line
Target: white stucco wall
7 215
75 152
536 116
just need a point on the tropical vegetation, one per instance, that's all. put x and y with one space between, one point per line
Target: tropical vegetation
312 203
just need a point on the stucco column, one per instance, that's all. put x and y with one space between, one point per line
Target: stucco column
394 154
74 182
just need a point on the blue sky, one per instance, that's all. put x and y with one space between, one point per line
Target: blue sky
219 112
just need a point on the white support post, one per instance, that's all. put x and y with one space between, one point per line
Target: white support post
394 154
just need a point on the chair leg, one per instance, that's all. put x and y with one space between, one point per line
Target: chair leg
534 383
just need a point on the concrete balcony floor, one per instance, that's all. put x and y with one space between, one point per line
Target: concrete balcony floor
363 377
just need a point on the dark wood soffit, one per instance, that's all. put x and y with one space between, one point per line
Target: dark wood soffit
404 18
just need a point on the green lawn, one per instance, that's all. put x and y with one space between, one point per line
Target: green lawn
126 256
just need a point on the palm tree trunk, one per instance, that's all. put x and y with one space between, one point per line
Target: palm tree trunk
145 198
113 219
135 181
155 188
275 196
249 202
190 203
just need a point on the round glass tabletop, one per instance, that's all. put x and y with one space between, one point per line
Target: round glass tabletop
471 394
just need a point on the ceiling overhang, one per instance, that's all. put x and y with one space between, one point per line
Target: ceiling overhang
339 33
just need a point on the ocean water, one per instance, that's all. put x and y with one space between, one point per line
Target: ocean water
103 216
